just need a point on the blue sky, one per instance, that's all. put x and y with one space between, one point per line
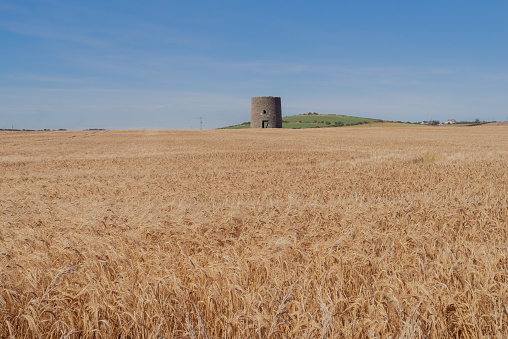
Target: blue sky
164 64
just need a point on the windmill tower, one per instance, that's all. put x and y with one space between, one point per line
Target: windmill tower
265 112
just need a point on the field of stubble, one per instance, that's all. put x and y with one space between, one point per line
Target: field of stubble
324 233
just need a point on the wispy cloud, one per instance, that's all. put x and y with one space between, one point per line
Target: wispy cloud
45 31
75 23
41 78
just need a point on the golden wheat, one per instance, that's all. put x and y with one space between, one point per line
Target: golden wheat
325 233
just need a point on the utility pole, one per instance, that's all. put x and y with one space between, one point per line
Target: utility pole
200 123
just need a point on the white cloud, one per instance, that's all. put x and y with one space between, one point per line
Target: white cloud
45 31
42 78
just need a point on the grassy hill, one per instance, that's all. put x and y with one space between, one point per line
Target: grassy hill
315 120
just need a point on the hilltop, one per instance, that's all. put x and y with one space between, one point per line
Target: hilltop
315 120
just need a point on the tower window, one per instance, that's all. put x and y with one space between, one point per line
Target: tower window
264 111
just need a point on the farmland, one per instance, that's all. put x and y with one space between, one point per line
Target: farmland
317 233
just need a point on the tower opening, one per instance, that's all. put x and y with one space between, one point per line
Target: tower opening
265 123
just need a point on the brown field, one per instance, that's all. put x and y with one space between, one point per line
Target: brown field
318 233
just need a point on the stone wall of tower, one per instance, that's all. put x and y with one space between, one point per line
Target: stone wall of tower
267 111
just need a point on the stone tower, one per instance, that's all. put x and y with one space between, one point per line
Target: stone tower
265 112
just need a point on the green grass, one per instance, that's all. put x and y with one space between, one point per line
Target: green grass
241 126
314 121
391 124
302 125
429 159
321 119
470 123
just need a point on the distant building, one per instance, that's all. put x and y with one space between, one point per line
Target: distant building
430 122
450 122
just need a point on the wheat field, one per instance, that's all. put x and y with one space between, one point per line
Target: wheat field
319 233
